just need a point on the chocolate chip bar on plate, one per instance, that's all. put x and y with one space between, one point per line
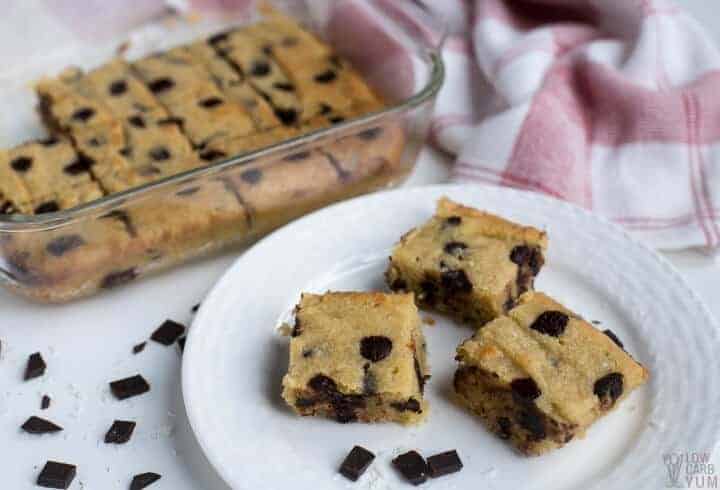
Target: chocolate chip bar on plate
357 357
541 375
468 263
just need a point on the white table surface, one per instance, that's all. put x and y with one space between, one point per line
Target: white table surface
88 343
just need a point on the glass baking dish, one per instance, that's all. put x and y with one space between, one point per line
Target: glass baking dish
119 238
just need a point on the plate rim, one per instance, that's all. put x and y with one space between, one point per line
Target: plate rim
194 419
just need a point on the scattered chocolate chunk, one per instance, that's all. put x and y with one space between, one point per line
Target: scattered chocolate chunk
525 389
129 387
412 466
138 348
295 157
444 463
369 134
520 254
35 366
211 102
322 384
252 176
49 141
56 475
120 432
143 480
63 244
375 348
287 116
530 420
411 405
455 282
181 343
336 119
453 220
83 114
308 353
260 69
159 154
284 86
398 285
36 425
168 332
21 164
613 337
45 402
126 152
356 463
326 76
161 85
609 388
210 155
195 308
115 279
137 121
79 166
325 109
505 426
118 87
455 248
551 323
47 207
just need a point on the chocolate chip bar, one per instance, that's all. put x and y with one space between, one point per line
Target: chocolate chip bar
541 375
357 357
468 263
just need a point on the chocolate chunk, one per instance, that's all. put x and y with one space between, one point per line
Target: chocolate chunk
115 279
83 114
326 76
398 285
36 425
505 428
530 420
126 152
137 121
49 141
47 207
375 348
455 282
308 353
429 291
144 480
120 432
161 85
412 466
35 366
325 109
138 348
79 166
369 134
219 37
45 402
168 332
21 164
345 405
129 387
295 157
252 176
210 155
287 116
614 338
444 463
322 384
118 87
159 154
211 102
356 462
411 405
284 86
336 119
525 389
260 69
369 381
520 254
63 244
453 220
195 308
609 388
454 248
56 475
305 402
551 323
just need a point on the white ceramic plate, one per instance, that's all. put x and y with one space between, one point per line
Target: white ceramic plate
235 357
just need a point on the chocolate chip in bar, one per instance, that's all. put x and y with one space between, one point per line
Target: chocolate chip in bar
444 463
120 432
356 462
129 387
45 402
56 475
168 332
36 425
35 366
412 466
144 480
138 348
